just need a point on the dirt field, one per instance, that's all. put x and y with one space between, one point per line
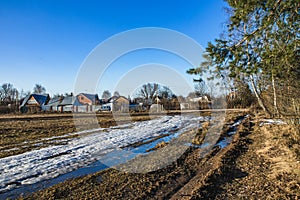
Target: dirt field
20 133
261 162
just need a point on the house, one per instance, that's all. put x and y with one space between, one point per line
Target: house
120 104
85 102
34 102
87 99
66 105
116 104
197 103
53 103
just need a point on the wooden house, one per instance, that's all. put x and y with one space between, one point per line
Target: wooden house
53 103
66 105
34 102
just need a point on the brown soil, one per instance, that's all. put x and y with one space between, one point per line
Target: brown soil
160 184
262 162
21 133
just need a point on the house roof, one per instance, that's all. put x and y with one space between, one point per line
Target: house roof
55 101
91 97
68 100
42 99
115 98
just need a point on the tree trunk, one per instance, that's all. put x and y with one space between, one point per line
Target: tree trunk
260 102
274 97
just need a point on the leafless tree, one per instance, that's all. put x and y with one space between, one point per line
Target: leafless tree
8 93
39 89
148 91
117 94
106 94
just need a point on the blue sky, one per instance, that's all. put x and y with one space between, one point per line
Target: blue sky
43 41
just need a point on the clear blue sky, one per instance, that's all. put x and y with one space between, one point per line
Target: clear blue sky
46 41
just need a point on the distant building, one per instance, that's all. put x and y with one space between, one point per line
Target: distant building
86 99
120 104
116 104
66 105
86 102
53 103
197 103
34 102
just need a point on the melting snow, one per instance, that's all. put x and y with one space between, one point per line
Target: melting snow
49 162
272 121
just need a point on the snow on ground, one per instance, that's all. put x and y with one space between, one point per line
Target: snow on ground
49 162
272 121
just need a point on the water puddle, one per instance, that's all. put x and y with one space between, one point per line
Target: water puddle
113 157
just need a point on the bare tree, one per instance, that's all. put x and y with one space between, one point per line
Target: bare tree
106 94
148 91
39 89
200 87
23 94
8 93
117 94
165 92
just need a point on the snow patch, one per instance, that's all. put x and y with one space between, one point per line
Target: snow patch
271 122
49 162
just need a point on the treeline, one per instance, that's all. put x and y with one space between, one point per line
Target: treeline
10 97
259 50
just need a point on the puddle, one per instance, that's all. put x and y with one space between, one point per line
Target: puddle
112 158
225 141
28 189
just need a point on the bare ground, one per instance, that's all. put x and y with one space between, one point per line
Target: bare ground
21 133
262 162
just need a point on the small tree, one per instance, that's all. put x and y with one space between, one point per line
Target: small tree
39 89
200 87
